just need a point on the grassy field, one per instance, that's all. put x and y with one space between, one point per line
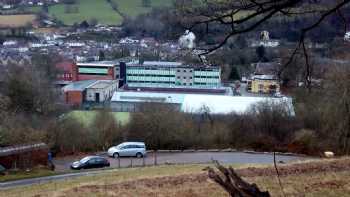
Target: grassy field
316 178
86 117
102 11
16 20
87 10
133 8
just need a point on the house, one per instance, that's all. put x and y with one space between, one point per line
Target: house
264 79
266 84
24 156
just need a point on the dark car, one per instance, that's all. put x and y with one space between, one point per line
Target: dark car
90 162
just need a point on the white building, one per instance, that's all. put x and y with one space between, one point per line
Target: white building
195 103
101 90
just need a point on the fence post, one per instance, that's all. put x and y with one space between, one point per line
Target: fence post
155 157
131 162
143 161
118 162
105 186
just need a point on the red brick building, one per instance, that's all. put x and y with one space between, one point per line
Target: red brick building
103 70
67 72
75 92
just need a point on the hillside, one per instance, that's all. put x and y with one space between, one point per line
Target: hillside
134 8
102 11
86 10
311 178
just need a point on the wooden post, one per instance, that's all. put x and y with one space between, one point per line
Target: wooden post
155 157
118 162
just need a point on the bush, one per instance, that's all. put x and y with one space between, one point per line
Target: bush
304 141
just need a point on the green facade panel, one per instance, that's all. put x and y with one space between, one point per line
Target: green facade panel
94 70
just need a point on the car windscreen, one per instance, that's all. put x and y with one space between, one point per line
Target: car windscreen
85 159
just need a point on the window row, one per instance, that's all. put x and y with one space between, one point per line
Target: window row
148 75
159 82
184 70
184 77
208 77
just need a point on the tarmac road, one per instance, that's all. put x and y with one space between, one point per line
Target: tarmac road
63 164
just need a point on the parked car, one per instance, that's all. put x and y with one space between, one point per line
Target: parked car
90 162
128 149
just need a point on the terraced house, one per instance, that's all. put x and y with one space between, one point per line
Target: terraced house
155 74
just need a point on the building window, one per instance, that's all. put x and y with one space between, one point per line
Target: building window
184 71
184 77
261 86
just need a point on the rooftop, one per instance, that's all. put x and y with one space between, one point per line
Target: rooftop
99 63
265 77
135 96
196 103
21 148
154 63
267 68
101 84
78 85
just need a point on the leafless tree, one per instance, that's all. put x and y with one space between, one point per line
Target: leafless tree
239 17
336 117
105 129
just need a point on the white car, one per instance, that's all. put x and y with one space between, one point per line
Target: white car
128 149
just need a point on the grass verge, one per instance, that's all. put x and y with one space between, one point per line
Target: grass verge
314 178
17 175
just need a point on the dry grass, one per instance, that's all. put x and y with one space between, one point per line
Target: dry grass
16 20
319 178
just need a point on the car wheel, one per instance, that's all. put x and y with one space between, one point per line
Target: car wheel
139 155
116 155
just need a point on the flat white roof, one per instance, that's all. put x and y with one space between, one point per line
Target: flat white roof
196 103
217 104
134 96
155 63
99 63
101 84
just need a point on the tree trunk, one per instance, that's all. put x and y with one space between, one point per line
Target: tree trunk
228 179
